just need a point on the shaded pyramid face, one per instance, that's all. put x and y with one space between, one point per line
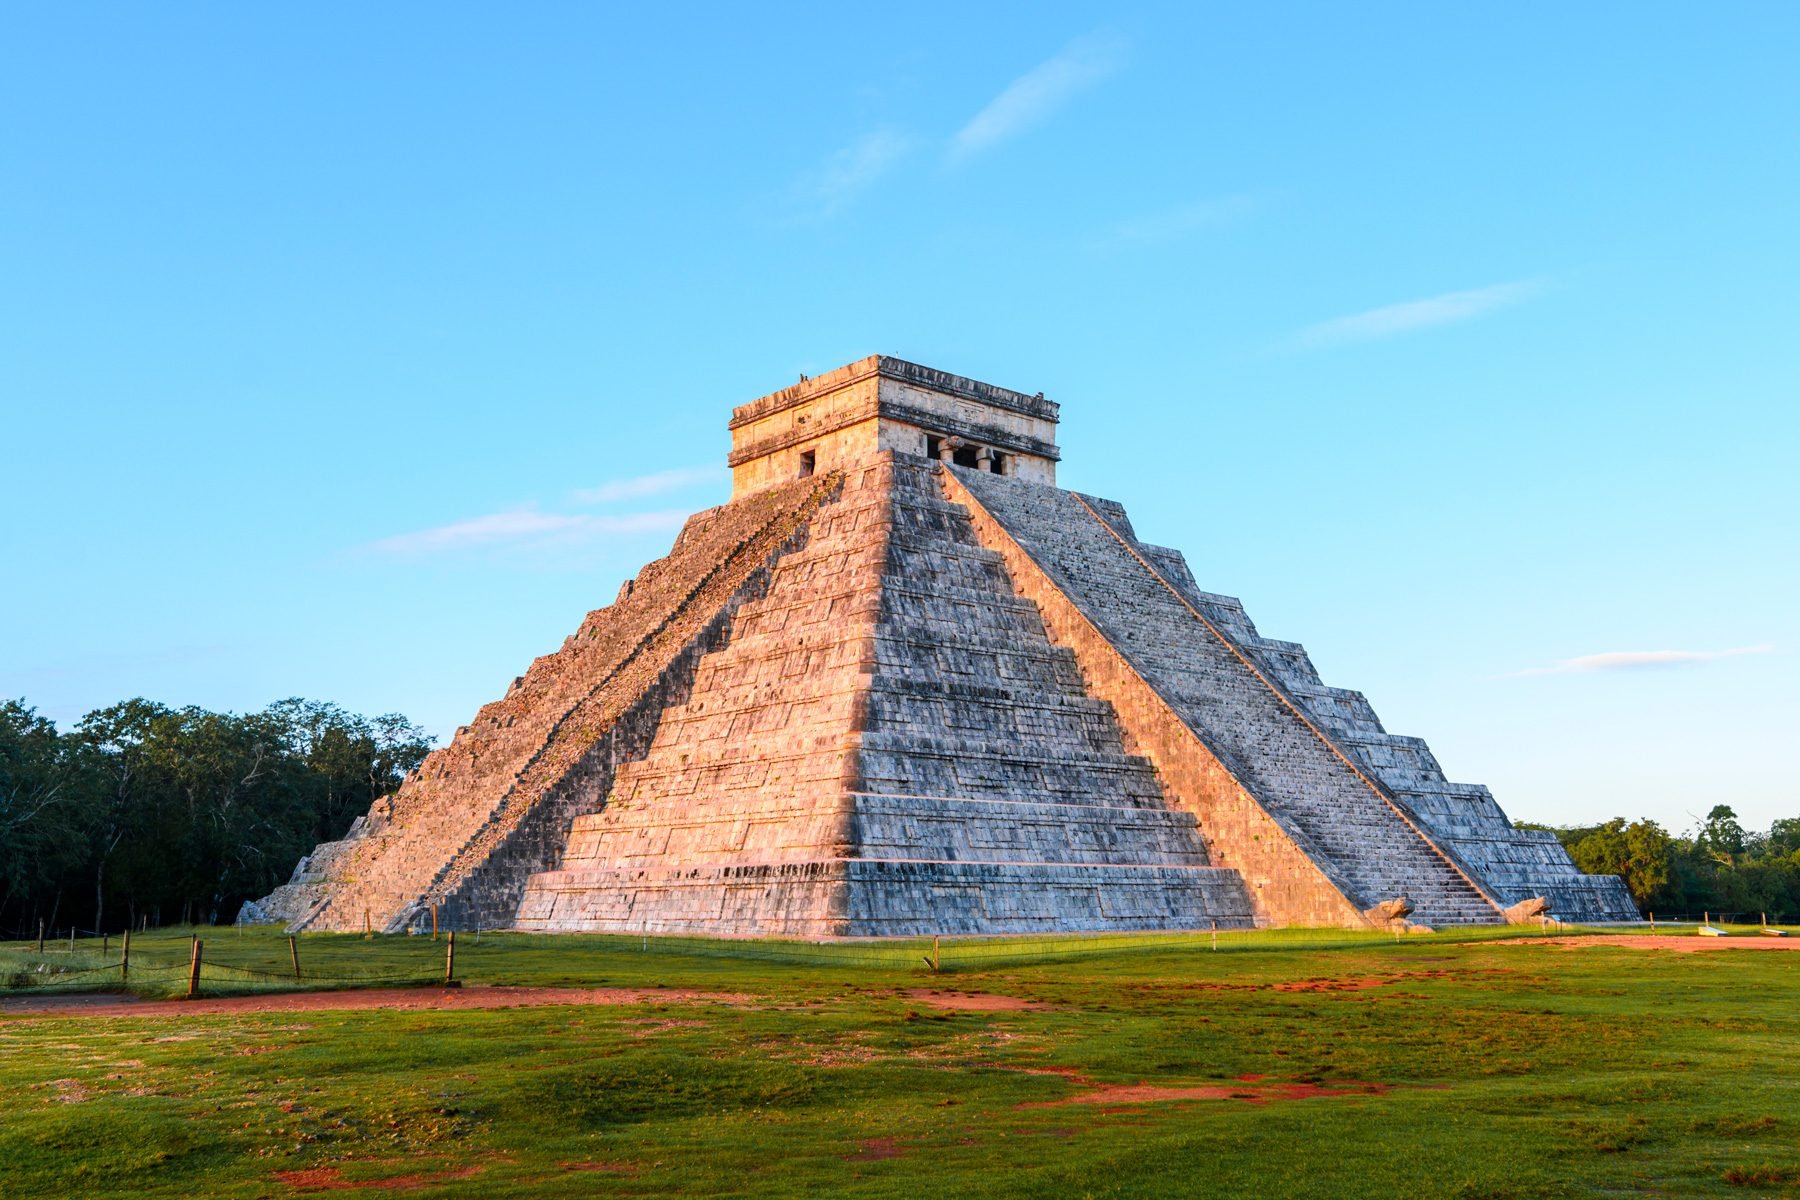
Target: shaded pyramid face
903 684
889 744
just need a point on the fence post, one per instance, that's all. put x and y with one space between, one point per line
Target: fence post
367 931
434 922
194 972
934 954
40 935
125 961
1653 921
1215 934
294 953
106 945
450 959
71 939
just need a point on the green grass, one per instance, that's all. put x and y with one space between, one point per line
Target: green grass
1509 1071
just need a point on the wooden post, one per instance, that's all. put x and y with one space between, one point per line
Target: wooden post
367 932
40 935
71 939
434 922
934 954
194 972
125 961
450 959
294 953
1215 935
106 944
1652 920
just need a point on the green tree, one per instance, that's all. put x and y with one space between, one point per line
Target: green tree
44 806
1722 835
1641 853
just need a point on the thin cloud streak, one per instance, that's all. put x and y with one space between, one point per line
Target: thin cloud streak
1039 92
648 485
524 526
1395 319
828 188
1639 660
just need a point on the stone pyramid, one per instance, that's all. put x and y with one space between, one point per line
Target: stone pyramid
903 684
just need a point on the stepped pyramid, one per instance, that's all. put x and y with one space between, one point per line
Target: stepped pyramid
903 684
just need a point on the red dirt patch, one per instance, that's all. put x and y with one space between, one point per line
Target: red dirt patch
386 998
331 1179
1338 985
875 1149
972 1001
1247 1088
1681 943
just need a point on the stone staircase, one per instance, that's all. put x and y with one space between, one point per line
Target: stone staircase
1513 864
468 827
888 744
1369 847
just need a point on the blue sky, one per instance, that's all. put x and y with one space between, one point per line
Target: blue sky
355 351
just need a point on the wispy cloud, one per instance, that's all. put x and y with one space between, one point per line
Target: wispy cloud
648 485
525 526
1170 224
1418 314
1639 660
528 526
1039 92
828 188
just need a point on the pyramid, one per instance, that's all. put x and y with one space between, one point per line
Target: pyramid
902 684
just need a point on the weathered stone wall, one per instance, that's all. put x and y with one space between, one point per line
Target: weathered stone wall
1513 864
881 403
467 800
1342 823
888 744
1287 884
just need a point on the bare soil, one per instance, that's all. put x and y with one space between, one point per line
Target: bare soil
331 1179
1247 1089
1681 943
972 1001
385 998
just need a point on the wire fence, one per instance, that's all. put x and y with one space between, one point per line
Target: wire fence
218 965
218 961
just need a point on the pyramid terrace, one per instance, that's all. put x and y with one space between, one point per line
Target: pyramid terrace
903 684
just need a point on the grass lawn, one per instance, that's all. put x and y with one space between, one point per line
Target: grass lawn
1329 1065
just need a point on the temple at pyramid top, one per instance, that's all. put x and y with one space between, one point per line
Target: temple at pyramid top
879 403
902 683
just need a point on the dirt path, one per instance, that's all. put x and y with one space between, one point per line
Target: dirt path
405 999
1681 943
972 1001
1248 1089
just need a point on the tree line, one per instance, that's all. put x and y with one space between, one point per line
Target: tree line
1719 867
142 812
145 813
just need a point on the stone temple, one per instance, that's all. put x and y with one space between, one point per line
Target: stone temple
904 684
